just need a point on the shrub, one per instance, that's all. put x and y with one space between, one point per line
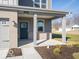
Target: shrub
57 51
76 55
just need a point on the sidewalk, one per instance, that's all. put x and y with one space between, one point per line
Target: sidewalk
30 53
3 53
27 53
51 42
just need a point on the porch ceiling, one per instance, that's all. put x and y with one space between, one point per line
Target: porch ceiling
42 13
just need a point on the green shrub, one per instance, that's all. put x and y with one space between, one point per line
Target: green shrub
76 55
57 51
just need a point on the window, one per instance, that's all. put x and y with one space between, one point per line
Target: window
37 5
40 3
37 1
23 25
4 21
6 2
44 1
40 25
43 6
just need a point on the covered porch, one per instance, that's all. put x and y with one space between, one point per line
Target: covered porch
34 34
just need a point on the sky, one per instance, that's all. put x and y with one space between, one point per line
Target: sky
66 5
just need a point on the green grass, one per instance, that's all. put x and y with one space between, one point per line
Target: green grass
73 37
70 37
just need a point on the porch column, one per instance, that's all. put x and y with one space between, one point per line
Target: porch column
64 29
50 35
35 29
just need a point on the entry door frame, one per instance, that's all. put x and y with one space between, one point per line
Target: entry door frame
20 29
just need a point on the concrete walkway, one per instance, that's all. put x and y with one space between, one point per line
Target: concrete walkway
3 53
28 53
51 42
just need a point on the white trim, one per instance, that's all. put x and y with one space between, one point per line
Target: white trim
40 3
43 25
47 4
35 29
64 29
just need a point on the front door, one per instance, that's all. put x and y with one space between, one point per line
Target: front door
23 30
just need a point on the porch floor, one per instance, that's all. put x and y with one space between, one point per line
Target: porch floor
42 43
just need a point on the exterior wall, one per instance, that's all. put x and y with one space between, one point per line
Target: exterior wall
12 29
23 3
41 35
9 2
49 4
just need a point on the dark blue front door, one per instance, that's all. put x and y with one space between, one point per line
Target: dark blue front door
23 30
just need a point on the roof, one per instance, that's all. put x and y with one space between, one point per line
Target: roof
24 8
75 26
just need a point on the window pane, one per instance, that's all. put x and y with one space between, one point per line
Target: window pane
37 0
37 5
40 29
5 2
23 25
40 25
43 1
43 6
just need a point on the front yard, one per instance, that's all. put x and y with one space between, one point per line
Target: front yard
68 51
59 52
69 36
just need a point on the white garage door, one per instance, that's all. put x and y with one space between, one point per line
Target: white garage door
4 33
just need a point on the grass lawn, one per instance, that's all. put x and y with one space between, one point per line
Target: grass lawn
71 38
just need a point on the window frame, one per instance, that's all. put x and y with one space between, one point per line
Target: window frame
43 25
40 4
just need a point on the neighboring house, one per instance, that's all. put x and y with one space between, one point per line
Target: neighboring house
67 29
22 20
75 27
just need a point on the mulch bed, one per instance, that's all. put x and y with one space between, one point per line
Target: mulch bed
66 52
14 52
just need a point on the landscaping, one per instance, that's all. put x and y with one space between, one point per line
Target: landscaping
59 52
72 37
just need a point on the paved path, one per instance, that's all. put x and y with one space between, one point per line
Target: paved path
3 53
30 53
27 53
51 43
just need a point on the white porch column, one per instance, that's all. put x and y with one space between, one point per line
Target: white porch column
35 29
64 29
50 35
